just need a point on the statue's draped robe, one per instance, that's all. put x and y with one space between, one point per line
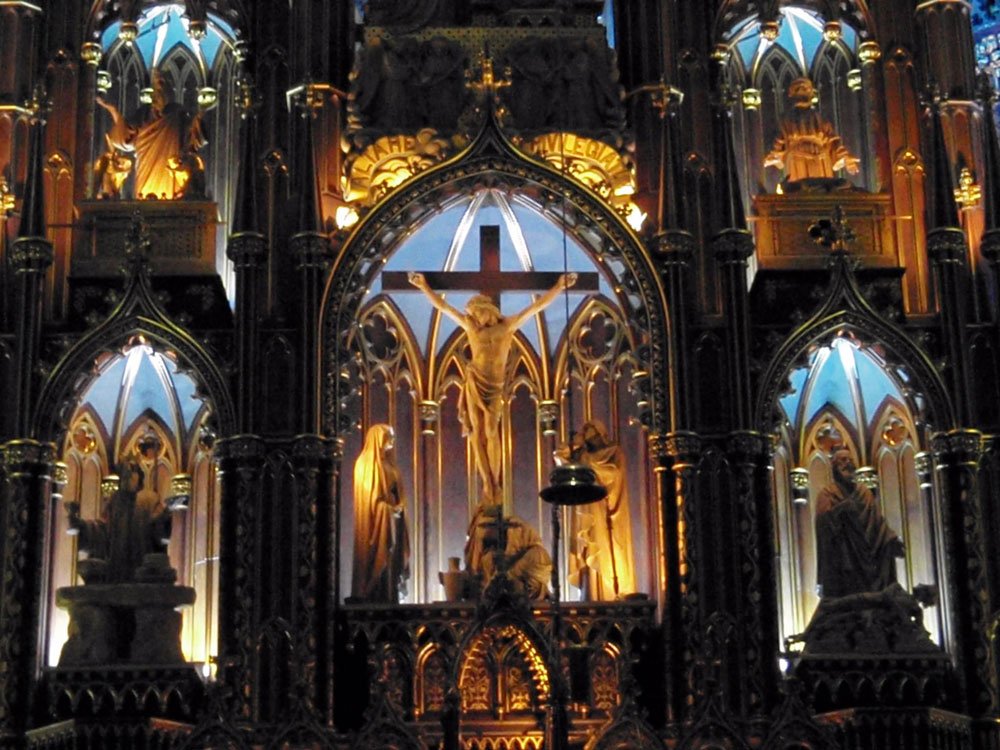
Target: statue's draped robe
808 147
603 529
854 544
160 146
381 541
481 401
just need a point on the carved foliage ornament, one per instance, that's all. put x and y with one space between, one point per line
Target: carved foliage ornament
389 162
591 162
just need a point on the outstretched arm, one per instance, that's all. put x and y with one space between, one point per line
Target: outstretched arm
418 280
565 282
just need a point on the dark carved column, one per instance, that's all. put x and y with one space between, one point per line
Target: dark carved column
24 497
873 99
90 55
957 455
313 254
241 462
732 248
948 250
312 617
749 456
673 250
683 451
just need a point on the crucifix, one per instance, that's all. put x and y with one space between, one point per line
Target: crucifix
489 280
490 335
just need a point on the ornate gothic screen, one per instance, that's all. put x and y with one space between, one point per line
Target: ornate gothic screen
411 360
141 401
846 395
200 74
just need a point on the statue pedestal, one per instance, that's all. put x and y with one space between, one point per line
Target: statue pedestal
182 233
123 623
783 221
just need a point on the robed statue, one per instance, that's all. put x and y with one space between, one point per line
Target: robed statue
601 553
381 539
134 523
164 146
808 150
508 545
856 549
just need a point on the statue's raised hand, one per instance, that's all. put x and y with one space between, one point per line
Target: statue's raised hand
568 279
417 279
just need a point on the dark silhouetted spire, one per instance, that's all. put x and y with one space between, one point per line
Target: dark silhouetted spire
245 215
727 184
33 200
991 155
943 213
310 217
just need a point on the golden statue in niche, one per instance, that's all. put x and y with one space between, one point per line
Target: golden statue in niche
164 148
490 335
601 552
808 149
381 539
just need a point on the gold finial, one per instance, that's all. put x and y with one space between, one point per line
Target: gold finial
488 85
968 193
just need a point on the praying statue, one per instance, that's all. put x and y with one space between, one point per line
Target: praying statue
855 548
601 556
480 407
381 539
134 523
165 149
526 561
808 149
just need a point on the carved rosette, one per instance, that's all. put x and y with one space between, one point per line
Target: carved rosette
247 249
241 459
31 254
26 469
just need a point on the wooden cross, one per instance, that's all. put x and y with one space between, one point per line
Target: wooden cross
489 279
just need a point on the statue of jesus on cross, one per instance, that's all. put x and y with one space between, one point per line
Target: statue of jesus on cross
490 335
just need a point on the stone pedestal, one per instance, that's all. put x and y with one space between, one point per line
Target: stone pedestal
182 235
123 623
782 228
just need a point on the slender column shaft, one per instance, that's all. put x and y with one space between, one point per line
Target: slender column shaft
732 248
313 253
957 454
241 460
948 251
30 257
24 497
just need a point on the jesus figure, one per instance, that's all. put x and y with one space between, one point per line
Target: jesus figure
490 335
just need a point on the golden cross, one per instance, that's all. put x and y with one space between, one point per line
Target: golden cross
487 84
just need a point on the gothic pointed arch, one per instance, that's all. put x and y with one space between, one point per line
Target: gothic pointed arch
492 161
139 313
845 308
